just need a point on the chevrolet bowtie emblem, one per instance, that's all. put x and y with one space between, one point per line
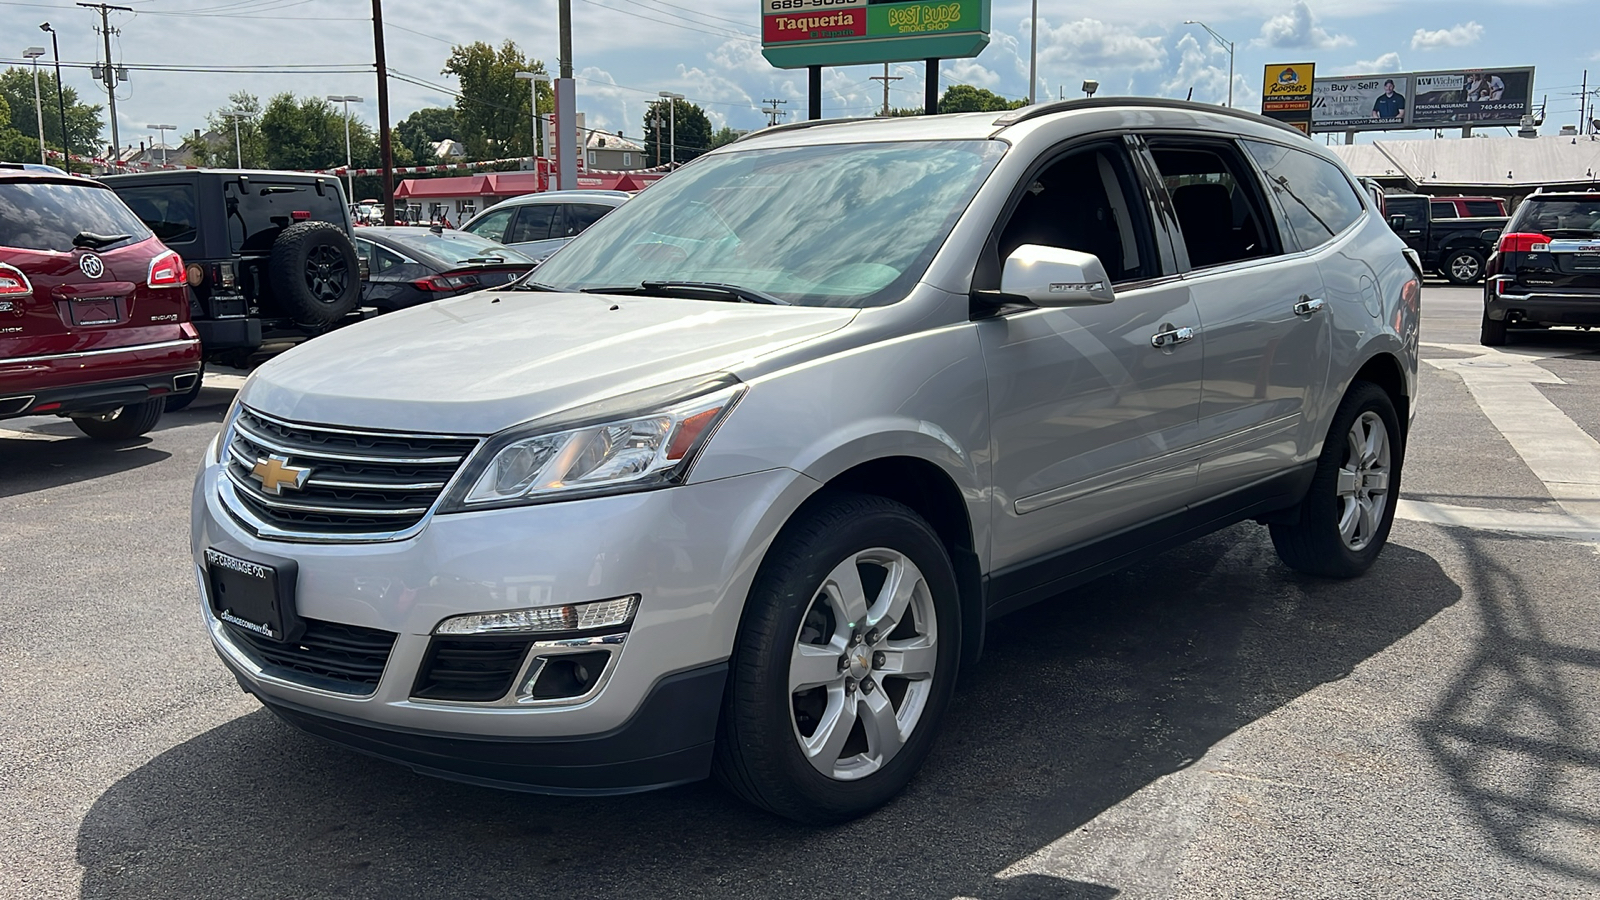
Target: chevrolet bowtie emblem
275 474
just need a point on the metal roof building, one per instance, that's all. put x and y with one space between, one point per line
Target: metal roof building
1510 167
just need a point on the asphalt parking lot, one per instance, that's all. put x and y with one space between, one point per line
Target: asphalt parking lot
1207 724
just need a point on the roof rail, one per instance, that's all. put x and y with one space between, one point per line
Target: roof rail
809 123
1015 116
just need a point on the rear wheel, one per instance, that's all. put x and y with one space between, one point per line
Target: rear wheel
1345 517
122 423
1464 267
1493 332
315 273
845 662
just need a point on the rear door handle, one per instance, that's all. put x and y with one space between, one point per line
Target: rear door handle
1170 336
1307 306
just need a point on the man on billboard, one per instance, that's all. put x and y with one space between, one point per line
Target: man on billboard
1389 105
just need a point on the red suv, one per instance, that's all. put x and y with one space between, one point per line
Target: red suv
94 317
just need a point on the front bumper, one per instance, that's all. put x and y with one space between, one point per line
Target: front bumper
1545 308
689 553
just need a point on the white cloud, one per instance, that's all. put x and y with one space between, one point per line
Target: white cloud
1463 35
1203 69
1088 45
1296 29
1388 62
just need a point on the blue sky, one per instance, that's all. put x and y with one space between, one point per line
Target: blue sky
627 50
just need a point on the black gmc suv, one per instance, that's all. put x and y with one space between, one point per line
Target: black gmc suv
270 259
1546 269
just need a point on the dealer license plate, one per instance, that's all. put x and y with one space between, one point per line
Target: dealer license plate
247 595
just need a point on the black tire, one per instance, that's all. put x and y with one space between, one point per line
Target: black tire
1493 332
176 402
757 754
1463 267
127 422
1313 544
315 273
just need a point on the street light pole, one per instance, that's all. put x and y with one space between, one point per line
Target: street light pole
61 101
672 126
238 147
349 179
533 79
1033 51
1226 45
163 129
34 53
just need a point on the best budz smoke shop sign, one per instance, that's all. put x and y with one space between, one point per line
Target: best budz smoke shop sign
800 33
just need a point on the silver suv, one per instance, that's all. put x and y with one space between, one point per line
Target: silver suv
733 487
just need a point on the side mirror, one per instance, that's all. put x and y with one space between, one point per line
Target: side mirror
1397 221
1052 276
1490 236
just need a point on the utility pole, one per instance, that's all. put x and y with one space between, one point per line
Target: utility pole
1033 51
885 79
566 104
655 119
1583 104
385 144
110 72
774 110
61 101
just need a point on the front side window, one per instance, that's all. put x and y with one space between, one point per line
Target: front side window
45 215
846 225
1086 201
1316 198
1219 210
493 225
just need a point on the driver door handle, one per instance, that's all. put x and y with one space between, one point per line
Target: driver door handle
1307 306
1170 336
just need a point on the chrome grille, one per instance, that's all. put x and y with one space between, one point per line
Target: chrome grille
363 485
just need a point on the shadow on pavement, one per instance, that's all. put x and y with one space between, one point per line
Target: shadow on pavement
1078 703
1513 732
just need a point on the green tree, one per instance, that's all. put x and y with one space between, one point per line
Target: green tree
14 145
966 98
492 115
693 131
724 135
419 131
84 124
218 152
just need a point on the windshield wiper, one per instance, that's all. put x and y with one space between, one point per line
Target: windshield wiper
694 290
524 283
95 241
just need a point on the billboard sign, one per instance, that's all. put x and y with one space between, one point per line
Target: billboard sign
1472 97
1361 103
800 33
1286 93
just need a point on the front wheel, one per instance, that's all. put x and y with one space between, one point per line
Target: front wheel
845 662
1345 517
124 422
1464 267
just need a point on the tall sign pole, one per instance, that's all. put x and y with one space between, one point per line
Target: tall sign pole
566 105
385 142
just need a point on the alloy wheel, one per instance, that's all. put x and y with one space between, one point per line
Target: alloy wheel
326 274
863 663
1465 267
1363 485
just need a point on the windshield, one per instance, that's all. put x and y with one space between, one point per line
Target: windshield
843 225
47 215
456 247
1568 218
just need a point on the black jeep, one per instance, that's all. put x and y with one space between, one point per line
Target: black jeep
269 255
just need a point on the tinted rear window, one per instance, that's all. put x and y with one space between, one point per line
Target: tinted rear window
260 210
1559 218
1483 208
47 216
168 209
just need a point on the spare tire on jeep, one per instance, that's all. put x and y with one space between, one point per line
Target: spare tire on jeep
314 273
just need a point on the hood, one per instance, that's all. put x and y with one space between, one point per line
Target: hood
486 361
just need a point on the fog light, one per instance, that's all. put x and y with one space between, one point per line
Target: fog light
570 675
544 619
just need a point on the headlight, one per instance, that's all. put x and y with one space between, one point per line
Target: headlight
539 463
225 436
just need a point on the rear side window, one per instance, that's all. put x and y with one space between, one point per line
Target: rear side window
1316 198
167 209
1483 208
1442 210
533 223
1215 197
48 215
581 215
258 210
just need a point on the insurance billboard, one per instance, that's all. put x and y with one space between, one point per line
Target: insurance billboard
1399 100
800 33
